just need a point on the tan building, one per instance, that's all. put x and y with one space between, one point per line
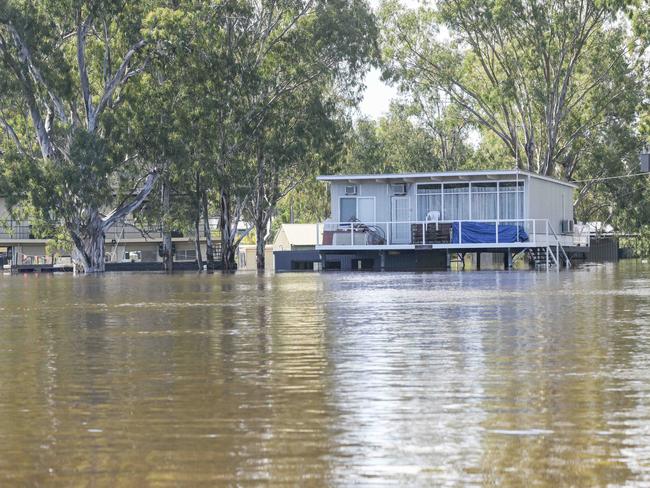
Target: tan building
247 257
297 237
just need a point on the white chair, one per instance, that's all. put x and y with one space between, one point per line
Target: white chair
433 216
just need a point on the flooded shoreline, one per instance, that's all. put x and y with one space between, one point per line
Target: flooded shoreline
332 379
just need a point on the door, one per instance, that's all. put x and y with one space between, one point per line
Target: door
400 210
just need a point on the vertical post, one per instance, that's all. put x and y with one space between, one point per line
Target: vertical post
534 229
352 233
382 260
496 226
317 233
478 260
460 231
448 259
557 255
546 234
388 236
424 232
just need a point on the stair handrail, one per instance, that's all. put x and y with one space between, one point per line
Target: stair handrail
559 244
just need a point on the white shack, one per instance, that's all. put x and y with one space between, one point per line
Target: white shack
416 220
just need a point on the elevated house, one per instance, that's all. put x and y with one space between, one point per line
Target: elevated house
421 220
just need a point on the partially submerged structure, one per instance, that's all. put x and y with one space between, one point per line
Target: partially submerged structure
418 221
294 247
22 248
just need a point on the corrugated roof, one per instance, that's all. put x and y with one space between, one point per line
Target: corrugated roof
443 175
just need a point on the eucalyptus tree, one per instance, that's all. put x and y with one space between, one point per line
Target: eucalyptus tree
158 122
541 76
64 65
159 133
300 135
253 54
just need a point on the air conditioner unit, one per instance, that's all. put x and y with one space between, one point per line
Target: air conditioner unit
567 227
398 188
351 190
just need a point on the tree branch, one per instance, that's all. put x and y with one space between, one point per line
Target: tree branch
118 78
125 209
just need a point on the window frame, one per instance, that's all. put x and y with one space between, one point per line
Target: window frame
357 197
519 186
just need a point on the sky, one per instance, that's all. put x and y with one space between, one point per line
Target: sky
378 94
377 97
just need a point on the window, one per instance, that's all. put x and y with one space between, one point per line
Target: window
456 202
511 200
429 199
484 201
357 208
348 209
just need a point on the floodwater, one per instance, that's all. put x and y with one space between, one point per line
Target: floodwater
475 378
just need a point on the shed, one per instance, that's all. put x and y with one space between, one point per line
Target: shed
297 237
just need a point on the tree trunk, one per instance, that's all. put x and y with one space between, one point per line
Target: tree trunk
88 240
88 236
227 239
167 246
197 242
209 248
260 233
260 216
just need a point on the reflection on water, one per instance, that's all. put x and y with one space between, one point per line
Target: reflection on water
509 378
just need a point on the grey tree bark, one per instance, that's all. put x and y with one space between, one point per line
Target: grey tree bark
209 247
197 242
167 245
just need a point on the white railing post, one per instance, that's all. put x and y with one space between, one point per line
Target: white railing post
352 233
424 232
496 226
388 236
546 232
460 231
534 230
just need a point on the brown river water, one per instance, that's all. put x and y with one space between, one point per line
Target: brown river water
456 378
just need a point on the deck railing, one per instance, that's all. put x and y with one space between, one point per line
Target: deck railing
450 232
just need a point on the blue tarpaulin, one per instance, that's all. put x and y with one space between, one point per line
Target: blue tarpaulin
484 232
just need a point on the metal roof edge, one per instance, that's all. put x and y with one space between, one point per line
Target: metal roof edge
389 176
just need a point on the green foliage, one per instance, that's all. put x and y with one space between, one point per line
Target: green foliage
539 76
